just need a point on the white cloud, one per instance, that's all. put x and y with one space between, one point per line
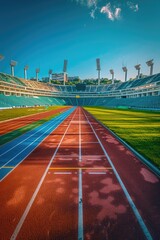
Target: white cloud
88 3
112 15
117 13
113 12
133 6
92 3
92 13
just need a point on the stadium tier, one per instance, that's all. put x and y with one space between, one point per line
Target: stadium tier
141 93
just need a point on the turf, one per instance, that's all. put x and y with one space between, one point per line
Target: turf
19 112
6 114
140 129
18 132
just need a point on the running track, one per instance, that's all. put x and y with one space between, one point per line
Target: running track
80 183
13 124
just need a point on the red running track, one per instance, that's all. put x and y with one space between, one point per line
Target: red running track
67 189
13 124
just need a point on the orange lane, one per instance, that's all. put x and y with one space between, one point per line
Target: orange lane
107 214
54 213
13 124
18 187
56 205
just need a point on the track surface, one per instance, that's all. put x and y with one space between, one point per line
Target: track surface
80 183
13 124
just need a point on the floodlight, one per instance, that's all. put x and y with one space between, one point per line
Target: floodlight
25 71
98 69
13 64
37 71
98 64
50 71
150 64
65 65
26 67
112 72
65 71
125 71
138 67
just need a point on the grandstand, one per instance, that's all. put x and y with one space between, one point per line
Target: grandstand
143 93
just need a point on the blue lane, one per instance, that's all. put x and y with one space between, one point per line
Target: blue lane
14 152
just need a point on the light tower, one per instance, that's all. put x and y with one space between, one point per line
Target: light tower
50 72
138 68
150 64
12 64
37 71
65 71
112 73
25 71
98 69
125 70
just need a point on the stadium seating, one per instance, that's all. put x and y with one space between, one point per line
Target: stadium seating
138 93
21 101
10 79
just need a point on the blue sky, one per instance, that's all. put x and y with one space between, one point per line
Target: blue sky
43 33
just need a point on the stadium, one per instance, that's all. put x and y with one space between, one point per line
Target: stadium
79 120
67 142
143 93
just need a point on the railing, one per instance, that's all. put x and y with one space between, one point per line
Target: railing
29 91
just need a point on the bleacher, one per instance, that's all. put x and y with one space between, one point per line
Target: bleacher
10 101
139 93
11 79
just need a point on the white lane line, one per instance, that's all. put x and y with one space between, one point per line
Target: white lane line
80 208
47 125
24 150
62 173
133 206
80 194
80 140
97 173
13 168
23 217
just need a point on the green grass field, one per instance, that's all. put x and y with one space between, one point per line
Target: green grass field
140 129
19 112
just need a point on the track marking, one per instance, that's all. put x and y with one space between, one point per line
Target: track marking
97 173
80 139
4 165
40 129
8 167
133 206
23 217
62 173
80 168
80 194
80 207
